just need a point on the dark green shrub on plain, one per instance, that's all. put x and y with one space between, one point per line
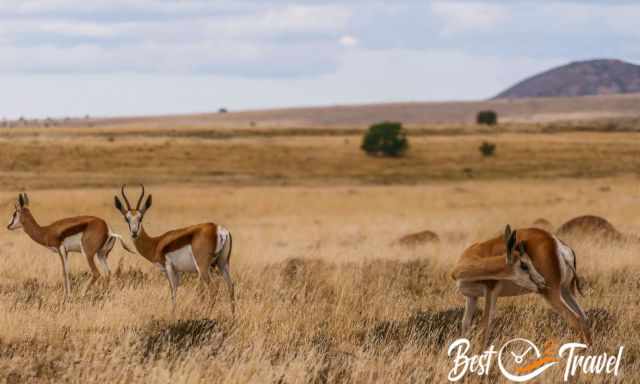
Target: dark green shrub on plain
487 149
386 139
487 118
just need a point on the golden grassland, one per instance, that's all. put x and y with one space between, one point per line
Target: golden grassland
94 161
322 296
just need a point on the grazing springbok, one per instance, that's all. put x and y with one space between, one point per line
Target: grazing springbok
196 248
88 235
536 261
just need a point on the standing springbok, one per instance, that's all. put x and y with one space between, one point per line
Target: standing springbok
536 261
88 235
192 249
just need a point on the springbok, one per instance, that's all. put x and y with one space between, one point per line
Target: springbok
192 249
536 261
88 235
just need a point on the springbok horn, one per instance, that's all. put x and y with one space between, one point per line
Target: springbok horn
141 196
124 196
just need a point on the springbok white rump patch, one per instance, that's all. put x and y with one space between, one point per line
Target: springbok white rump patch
566 259
223 238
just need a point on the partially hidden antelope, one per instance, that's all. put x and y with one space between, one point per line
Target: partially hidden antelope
523 261
88 235
197 248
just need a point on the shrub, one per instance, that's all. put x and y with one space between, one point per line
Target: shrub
487 117
387 138
222 110
487 149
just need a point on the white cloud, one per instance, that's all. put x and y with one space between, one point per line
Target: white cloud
236 43
94 7
149 56
83 29
289 19
229 58
459 17
622 19
409 75
348 41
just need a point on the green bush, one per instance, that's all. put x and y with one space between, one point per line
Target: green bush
487 117
387 139
487 149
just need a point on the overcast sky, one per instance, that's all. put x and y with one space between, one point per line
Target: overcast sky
136 57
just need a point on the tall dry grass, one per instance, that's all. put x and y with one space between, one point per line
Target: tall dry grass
322 296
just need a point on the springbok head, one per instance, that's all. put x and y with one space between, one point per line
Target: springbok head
524 273
16 218
132 216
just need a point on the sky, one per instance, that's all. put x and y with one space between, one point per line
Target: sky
63 58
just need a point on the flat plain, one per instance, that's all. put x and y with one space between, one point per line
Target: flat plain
323 295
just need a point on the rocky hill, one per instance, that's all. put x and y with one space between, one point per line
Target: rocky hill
583 78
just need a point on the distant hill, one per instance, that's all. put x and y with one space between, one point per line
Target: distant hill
582 78
527 110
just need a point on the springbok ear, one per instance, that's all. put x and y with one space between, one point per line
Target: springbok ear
118 204
26 198
507 233
21 200
147 204
510 242
522 248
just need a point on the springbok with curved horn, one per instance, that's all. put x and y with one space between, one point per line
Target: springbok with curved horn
88 235
192 249
536 261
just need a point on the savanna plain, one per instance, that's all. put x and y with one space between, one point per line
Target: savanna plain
323 293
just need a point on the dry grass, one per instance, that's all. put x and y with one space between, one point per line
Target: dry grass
38 162
322 295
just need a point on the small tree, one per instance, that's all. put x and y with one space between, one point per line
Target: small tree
387 138
487 117
487 149
222 110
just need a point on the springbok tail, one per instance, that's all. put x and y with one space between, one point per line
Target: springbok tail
126 246
109 244
577 285
576 282
230 247
571 304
